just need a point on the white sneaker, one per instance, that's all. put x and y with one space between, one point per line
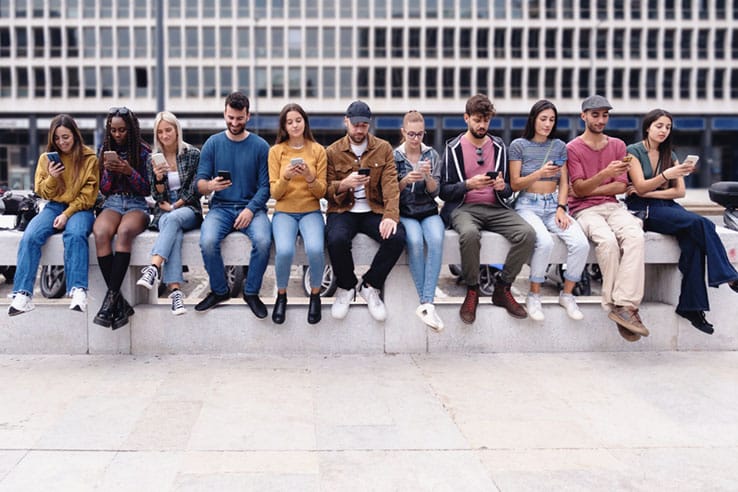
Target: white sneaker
79 299
427 313
21 304
149 277
534 307
342 302
569 302
178 306
373 301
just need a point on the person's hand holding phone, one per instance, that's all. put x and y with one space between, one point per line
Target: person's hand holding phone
296 167
497 182
55 165
549 170
691 163
113 163
617 168
221 181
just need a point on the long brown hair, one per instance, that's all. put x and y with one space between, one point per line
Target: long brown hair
665 147
282 134
78 149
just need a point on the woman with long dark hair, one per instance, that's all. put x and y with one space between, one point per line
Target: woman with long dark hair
297 181
657 181
538 171
67 176
124 183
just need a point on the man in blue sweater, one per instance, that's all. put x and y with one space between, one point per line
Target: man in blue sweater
233 167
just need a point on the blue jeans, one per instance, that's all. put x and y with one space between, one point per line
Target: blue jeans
312 229
425 262
168 245
217 225
539 210
76 247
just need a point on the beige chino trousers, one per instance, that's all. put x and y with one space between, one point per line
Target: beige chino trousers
620 251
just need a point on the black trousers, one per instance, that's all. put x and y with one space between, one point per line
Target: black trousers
340 230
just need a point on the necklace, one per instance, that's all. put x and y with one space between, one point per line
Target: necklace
297 147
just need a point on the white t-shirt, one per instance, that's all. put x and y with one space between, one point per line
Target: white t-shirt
361 204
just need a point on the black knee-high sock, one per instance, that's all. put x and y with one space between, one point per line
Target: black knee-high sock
106 267
119 270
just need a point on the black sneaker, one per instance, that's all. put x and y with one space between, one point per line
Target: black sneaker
211 300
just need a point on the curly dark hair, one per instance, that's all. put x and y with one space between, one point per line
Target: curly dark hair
480 105
134 142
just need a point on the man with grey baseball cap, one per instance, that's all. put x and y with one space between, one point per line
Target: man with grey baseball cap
598 171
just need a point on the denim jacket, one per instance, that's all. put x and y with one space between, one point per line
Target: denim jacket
415 200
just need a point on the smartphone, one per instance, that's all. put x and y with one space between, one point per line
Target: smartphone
693 158
492 174
364 171
559 162
420 164
159 160
297 161
226 175
627 158
55 159
110 155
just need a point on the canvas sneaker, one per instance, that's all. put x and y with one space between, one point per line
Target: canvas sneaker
569 302
373 301
79 299
149 277
628 318
534 307
21 304
427 313
178 306
342 302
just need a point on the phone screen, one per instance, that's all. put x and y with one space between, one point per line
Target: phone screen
297 161
492 174
364 171
110 155
53 156
226 175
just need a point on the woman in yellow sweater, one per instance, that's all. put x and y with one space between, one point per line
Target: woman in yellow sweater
297 181
67 175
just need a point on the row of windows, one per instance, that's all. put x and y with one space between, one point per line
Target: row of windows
377 82
377 9
363 42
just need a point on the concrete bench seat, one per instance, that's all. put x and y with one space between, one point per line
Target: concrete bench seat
52 328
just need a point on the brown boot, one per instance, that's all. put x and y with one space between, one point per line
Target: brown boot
468 311
503 297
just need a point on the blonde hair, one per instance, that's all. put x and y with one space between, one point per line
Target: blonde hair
168 117
411 116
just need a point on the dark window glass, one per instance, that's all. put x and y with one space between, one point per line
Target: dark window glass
684 86
685 45
516 43
584 83
516 83
618 44
465 47
717 83
498 88
431 42
550 43
362 83
549 83
533 76
499 47
584 47
617 83
413 42
431 82
669 38
398 44
413 82
482 80
567 43
567 82
635 44
534 36
72 82
448 82
634 84
465 82
652 44
380 42
701 83
397 82
39 75
651 78
668 84
448 42
719 51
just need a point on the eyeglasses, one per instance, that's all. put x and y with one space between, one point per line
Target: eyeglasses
480 159
414 134
118 111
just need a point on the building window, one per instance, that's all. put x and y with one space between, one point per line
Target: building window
685 46
431 9
669 39
106 9
465 44
668 83
192 81
397 83
311 81
106 42
413 10
329 10
380 82
294 42
72 9
243 42
208 42
90 82
651 81
380 43
380 9
549 83
362 42
72 82
140 11
734 43
600 43
719 51
226 81
584 83
618 44
684 83
449 9
226 42
208 82
702 44
72 43
516 83
483 42
734 83
652 44
567 43
142 82
498 85
567 7
500 9
619 9
567 83
39 79
617 83
701 83
448 43
686 10
601 81
534 36
347 47
311 42
413 42
208 9
635 9
124 42
448 82
346 82
397 9
499 40
21 80
398 44
175 9
174 82
533 76
277 42
717 83
635 44
653 9
260 42
107 82
362 82
551 49
584 47
634 84
431 83
329 43
243 11
55 39
465 82
482 80
123 11
175 42
516 43
141 43
431 42
39 43
192 43
124 82
295 82
6 85
243 75
311 12
278 82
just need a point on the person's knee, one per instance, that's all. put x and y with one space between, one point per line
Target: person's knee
336 239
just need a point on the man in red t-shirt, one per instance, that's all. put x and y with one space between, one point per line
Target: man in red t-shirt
598 172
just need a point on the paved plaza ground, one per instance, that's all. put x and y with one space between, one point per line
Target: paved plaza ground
450 422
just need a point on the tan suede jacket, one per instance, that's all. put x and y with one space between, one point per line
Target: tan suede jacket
383 192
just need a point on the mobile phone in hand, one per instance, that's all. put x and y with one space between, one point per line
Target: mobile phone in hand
297 161
693 158
559 162
492 174
226 175
55 159
364 171
159 160
110 156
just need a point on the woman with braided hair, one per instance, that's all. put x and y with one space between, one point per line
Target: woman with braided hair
124 183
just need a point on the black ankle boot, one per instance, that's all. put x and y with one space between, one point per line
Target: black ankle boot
104 316
698 320
314 309
280 306
122 311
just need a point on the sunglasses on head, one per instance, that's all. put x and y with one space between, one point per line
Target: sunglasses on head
480 159
118 111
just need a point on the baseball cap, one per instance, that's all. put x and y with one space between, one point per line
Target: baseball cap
595 102
358 112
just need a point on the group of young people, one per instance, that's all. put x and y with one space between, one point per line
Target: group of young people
391 195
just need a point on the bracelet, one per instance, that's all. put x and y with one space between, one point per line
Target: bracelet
564 207
664 176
